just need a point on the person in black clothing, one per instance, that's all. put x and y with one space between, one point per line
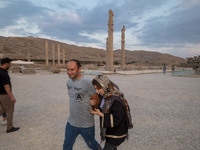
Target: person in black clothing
114 112
7 99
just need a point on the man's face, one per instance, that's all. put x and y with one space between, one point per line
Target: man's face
72 70
7 66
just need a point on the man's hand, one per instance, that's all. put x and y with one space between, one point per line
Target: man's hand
13 99
9 92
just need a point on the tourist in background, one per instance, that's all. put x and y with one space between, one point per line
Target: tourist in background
7 99
164 69
114 112
172 68
80 120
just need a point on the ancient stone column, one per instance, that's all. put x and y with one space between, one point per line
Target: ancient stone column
53 55
123 48
58 54
107 50
63 56
29 56
47 54
109 60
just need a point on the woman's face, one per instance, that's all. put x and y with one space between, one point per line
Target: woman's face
99 91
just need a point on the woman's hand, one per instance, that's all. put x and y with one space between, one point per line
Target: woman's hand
96 112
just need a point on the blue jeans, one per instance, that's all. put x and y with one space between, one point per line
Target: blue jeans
88 135
4 115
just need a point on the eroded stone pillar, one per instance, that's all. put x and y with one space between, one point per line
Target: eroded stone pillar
47 53
109 60
123 48
53 55
58 54
63 56
29 55
107 57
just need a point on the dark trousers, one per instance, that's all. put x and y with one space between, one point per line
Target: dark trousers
109 147
4 115
6 106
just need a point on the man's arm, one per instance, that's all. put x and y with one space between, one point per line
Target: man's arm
96 100
9 92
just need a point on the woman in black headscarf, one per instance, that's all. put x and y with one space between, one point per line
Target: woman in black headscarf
114 112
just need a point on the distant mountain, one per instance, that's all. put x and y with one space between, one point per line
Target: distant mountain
149 57
2 37
17 48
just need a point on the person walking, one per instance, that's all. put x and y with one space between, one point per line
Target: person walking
164 69
114 112
7 99
172 68
80 120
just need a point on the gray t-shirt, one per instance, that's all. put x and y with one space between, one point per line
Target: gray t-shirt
79 95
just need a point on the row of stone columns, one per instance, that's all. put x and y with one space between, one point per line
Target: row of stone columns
53 54
109 45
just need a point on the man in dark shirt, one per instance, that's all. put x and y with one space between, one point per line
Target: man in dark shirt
7 99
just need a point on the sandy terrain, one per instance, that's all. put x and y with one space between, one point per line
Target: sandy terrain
165 112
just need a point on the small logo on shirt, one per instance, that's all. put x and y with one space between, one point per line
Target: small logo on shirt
79 96
77 89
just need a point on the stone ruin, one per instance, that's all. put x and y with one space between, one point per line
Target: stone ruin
109 45
55 68
123 48
109 50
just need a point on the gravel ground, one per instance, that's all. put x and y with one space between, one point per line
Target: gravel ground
165 112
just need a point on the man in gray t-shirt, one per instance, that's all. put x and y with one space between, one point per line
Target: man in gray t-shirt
79 95
80 120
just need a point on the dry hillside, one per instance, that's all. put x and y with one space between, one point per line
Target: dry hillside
17 48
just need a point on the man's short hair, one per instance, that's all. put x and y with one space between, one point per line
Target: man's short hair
5 60
78 63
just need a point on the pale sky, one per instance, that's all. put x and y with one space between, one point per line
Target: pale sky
166 26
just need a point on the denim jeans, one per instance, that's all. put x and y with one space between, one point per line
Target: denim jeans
88 135
4 115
